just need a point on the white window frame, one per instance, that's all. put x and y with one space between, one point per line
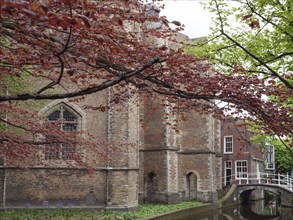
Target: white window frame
225 143
243 174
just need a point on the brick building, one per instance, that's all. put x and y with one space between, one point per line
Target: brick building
240 155
154 163
179 166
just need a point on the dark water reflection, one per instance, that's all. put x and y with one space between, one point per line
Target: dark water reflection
254 211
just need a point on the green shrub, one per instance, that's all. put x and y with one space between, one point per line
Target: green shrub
144 211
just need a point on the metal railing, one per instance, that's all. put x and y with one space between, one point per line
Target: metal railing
283 180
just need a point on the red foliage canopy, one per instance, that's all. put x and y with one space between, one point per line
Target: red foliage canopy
101 44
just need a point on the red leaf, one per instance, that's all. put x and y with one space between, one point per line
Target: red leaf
254 24
177 23
247 16
85 20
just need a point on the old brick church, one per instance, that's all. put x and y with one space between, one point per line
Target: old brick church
155 165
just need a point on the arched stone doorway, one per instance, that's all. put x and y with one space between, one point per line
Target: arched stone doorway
151 187
191 186
151 183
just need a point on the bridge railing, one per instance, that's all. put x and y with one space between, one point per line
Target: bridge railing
261 178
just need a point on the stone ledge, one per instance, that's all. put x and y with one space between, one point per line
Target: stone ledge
157 149
196 152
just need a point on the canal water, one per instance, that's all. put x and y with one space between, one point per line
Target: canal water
256 210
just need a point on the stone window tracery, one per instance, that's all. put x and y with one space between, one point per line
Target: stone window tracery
69 122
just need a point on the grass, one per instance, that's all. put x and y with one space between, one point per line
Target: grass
74 214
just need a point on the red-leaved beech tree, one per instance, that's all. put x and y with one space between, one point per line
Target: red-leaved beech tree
53 50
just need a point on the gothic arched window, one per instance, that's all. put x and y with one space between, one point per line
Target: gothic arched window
69 122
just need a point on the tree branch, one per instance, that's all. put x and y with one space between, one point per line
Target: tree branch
258 59
13 125
82 92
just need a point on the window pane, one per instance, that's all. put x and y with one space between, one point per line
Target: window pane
67 116
52 151
54 116
241 169
69 127
67 151
69 123
228 141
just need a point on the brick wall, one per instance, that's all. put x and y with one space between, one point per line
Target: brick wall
2 186
114 180
43 187
243 148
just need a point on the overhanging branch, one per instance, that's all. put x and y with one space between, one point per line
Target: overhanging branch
86 91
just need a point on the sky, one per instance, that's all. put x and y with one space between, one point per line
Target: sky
190 13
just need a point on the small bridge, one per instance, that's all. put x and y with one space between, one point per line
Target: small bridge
250 186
